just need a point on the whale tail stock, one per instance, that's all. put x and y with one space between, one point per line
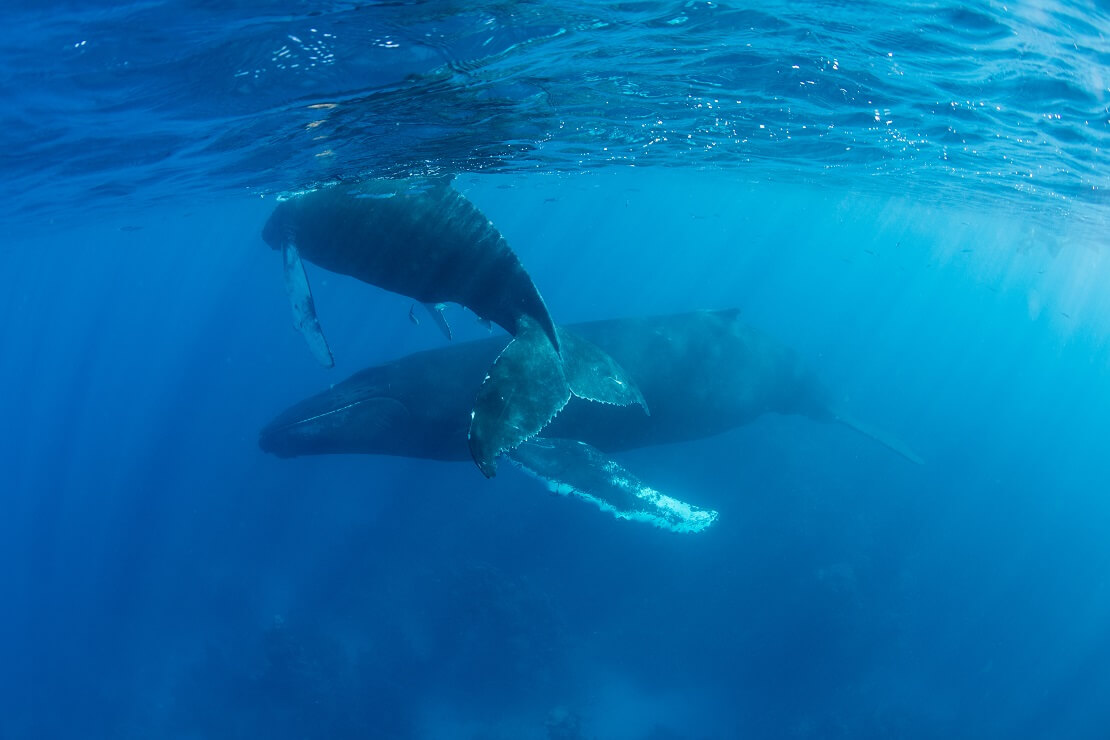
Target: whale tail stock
886 440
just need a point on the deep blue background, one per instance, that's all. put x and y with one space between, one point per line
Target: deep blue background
164 578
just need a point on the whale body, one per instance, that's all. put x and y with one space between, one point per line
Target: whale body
421 239
700 373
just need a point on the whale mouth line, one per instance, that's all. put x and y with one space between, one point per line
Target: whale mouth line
339 409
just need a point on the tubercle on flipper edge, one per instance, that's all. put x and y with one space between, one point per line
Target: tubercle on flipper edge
640 502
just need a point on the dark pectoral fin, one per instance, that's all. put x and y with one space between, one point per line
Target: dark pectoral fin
304 310
574 468
435 310
595 376
524 390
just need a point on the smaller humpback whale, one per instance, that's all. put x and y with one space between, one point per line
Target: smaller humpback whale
426 241
422 239
700 373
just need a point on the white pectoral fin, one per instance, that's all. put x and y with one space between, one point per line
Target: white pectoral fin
304 309
890 442
435 310
574 468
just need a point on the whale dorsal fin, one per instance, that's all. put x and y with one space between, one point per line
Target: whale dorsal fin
304 308
573 468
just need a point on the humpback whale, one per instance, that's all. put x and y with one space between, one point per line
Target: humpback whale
700 373
422 239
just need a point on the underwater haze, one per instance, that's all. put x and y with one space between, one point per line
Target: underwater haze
913 196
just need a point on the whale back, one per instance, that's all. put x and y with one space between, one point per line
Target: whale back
701 373
425 241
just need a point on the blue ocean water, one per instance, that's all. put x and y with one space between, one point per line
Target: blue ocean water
913 196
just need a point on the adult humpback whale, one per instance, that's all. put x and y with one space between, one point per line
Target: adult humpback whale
701 373
422 239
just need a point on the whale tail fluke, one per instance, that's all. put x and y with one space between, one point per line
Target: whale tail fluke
595 376
522 392
879 436
530 383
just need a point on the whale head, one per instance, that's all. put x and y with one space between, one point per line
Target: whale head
355 416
